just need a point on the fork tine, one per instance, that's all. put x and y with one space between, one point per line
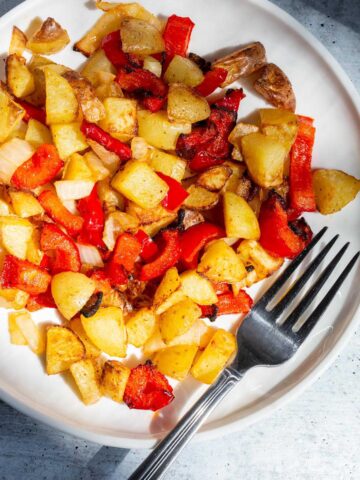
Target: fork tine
275 287
300 283
313 291
320 309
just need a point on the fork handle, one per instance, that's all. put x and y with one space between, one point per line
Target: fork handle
155 465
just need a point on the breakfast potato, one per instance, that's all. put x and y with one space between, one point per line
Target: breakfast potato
138 182
240 219
16 336
68 139
97 167
157 129
31 331
86 379
178 319
61 103
18 41
37 133
215 356
34 254
151 220
333 189
50 38
25 204
109 90
200 198
76 168
114 379
13 298
140 326
264 157
18 77
140 37
198 288
234 138
175 361
219 263
183 70
185 105
280 124
120 118
11 114
96 64
237 173
63 348
275 87
169 284
15 234
168 164
91 351
107 331
71 291
214 178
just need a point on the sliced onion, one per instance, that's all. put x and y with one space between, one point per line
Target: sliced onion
73 189
90 255
153 65
110 159
13 154
97 166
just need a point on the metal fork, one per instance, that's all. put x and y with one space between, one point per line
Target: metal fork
261 341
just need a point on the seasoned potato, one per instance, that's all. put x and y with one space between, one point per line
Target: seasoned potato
172 299
214 178
37 133
11 114
280 124
17 42
114 379
32 332
185 105
220 263
25 204
240 219
157 130
237 172
242 62
97 63
15 234
264 157
61 102
34 254
50 38
175 361
183 70
76 168
334 189
170 165
140 326
198 288
275 87
107 90
97 167
200 199
140 37
151 220
85 376
13 298
91 350
68 139
120 118
71 291
107 331
16 337
168 285
63 348
178 319
18 77
241 129
138 182
215 356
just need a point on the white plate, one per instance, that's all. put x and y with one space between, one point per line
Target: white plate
323 92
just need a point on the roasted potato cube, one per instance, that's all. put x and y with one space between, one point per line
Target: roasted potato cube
140 149
140 326
279 124
18 41
13 298
151 220
16 336
138 182
333 189
37 133
157 129
50 38
98 62
240 130
215 356
220 263
91 350
170 165
237 172
11 114
214 178
275 87
25 204
15 235
71 291
34 254
114 379
140 37
107 331
185 105
96 166
240 219
63 348
178 319
183 70
85 376
198 288
168 285
68 139
18 77
120 118
200 198
175 361
264 157
171 300
76 168
61 103
31 331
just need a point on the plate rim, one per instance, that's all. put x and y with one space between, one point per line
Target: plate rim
22 404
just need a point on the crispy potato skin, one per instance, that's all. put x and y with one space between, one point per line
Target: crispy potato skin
51 38
214 178
275 87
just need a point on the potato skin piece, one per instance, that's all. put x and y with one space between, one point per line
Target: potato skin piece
275 87
114 378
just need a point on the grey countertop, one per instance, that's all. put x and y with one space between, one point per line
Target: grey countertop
316 436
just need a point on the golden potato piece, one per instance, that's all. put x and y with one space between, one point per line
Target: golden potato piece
13 298
140 37
68 138
85 376
140 326
114 379
151 220
37 133
214 178
18 77
11 114
25 204
61 103
240 130
120 117
157 129
17 42
96 65
15 233
280 124
90 349
198 288
275 87
200 199
63 348
185 105
31 331
333 189
50 38
183 70
16 336
178 319
175 361
240 219
168 285
170 165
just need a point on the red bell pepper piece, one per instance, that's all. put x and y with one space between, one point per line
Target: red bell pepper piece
40 169
65 255
276 235
221 287
147 389
212 80
57 212
168 257
94 132
24 275
194 239
126 252
231 100
148 247
175 195
90 208
102 281
112 46
301 193
203 160
31 111
229 303
154 104
43 300
177 35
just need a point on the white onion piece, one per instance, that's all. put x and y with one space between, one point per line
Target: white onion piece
73 189
96 165
13 154
90 255
152 65
71 206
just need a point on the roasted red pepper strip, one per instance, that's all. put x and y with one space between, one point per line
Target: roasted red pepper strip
175 195
229 303
24 275
57 212
231 100
202 161
276 235
65 255
154 104
94 132
43 300
301 193
177 35
126 252
148 247
212 80
147 389
32 112
40 169
221 287
168 257
194 239
90 208
112 47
